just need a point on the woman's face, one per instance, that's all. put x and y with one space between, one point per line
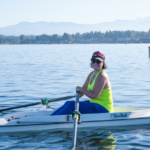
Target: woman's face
97 64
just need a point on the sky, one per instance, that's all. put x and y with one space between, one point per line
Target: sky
76 11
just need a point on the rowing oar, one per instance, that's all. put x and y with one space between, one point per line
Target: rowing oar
37 103
76 118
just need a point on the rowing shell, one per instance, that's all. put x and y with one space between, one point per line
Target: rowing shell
41 120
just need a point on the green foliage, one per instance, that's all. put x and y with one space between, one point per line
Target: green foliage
85 38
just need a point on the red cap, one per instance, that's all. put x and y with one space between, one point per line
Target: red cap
98 54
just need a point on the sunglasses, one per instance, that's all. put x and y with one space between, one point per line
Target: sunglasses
96 61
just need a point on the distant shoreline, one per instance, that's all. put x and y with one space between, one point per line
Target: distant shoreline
109 37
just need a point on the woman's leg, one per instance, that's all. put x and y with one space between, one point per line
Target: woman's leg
84 108
66 109
87 107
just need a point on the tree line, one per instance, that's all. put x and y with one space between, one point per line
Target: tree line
85 38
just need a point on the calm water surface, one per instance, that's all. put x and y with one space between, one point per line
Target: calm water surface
31 72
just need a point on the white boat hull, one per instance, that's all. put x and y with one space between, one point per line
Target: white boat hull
39 121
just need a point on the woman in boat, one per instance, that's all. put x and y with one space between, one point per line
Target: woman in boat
96 87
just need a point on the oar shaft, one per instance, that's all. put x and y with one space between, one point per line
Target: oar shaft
19 106
37 103
75 123
61 98
74 134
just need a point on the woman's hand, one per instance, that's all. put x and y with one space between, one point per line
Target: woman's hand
78 89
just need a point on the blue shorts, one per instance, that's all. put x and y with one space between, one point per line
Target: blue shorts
84 108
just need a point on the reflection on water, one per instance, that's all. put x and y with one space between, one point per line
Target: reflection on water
96 140
59 140
88 139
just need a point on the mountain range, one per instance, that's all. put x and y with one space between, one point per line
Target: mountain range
49 28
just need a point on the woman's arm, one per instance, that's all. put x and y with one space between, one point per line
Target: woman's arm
97 89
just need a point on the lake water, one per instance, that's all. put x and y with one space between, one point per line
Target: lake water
31 72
